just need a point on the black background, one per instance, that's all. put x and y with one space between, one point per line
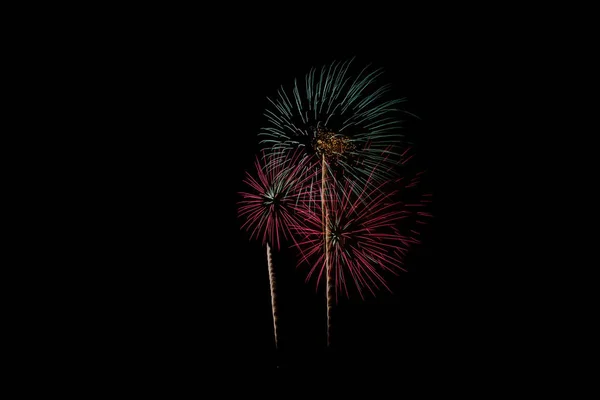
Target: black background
149 118
180 287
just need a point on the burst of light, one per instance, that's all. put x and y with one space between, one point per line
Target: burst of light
275 194
370 232
348 118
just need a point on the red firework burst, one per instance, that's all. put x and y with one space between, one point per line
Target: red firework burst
271 205
370 230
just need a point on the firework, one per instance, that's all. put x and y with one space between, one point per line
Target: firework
368 234
276 192
346 124
348 121
270 207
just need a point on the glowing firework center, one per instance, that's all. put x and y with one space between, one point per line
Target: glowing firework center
331 145
272 198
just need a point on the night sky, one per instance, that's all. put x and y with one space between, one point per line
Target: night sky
188 290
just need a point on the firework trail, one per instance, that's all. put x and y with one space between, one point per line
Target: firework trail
273 296
327 264
271 206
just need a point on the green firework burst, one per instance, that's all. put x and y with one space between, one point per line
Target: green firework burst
347 119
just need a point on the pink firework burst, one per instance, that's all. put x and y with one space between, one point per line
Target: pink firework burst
276 193
370 230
